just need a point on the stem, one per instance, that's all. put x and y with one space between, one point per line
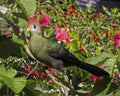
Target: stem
66 89
7 91
32 70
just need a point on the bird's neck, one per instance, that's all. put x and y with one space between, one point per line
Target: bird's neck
38 33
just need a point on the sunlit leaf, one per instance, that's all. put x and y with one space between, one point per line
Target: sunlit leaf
16 84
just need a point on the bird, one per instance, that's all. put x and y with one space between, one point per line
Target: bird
54 54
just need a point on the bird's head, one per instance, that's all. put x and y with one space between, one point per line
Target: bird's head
35 22
33 25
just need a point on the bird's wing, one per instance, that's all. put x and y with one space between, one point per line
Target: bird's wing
55 51
59 52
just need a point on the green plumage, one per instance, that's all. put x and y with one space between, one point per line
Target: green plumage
40 47
53 54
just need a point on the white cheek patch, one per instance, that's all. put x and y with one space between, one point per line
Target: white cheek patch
35 30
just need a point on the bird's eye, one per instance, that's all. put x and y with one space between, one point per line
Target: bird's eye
34 26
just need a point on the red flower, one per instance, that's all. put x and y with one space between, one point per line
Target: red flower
28 37
49 69
106 32
114 25
34 73
42 1
52 9
28 69
103 17
81 49
70 9
96 15
63 25
96 38
43 76
64 15
89 37
111 37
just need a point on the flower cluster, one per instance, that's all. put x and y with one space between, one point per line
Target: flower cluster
38 74
61 34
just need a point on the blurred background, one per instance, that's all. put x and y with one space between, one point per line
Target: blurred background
100 3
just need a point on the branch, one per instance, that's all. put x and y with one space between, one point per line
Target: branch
66 89
32 70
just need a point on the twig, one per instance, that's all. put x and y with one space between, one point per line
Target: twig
32 70
82 92
66 89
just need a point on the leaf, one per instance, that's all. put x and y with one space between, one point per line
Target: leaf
109 64
117 93
22 8
101 87
33 87
113 88
9 73
27 6
16 84
98 59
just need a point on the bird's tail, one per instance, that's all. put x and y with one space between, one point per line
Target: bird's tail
92 69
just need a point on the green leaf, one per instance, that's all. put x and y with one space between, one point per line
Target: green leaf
9 73
101 87
34 88
98 59
113 88
16 84
117 93
22 8
27 6
109 64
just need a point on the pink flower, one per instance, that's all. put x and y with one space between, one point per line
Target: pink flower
34 73
62 34
45 20
96 78
117 75
117 39
35 20
28 69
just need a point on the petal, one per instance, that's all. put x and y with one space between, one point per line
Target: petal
68 40
45 20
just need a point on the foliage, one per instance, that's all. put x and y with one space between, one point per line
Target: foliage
92 41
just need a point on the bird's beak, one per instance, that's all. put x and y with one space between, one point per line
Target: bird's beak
27 30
